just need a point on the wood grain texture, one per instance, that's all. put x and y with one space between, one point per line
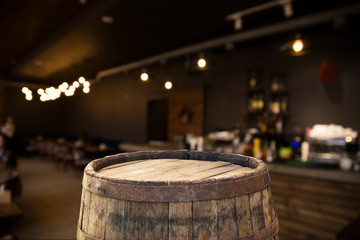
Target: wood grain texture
257 212
205 220
156 221
97 216
114 226
132 220
173 170
243 212
180 220
228 228
309 208
267 207
85 211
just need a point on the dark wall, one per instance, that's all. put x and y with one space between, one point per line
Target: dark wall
116 107
33 117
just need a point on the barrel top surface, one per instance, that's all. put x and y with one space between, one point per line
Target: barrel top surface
172 170
170 176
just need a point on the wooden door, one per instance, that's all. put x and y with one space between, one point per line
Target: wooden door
157 120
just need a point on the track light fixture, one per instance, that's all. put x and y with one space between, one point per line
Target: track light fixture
237 17
287 7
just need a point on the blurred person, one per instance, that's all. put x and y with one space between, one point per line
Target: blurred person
8 132
6 155
9 128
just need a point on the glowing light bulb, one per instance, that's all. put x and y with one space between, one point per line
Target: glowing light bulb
25 90
28 97
201 63
298 45
168 85
40 91
81 79
65 84
62 87
76 84
72 88
69 93
86 84
57 93
86 90
144 77
51 90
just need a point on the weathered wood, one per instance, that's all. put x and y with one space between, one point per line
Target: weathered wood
243 215
310 208
155 222
205 198
180 220
85 211
257 212
228 228
114 226
205 220
97 216
267 207
132 220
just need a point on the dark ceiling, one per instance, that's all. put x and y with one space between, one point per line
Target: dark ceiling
51 41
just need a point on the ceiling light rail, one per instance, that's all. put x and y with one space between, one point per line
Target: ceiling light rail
237 17
288 25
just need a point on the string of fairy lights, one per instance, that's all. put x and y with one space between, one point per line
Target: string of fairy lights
52 93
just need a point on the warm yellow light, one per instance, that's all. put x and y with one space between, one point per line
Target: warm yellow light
298 45
57 93
40 91
25 90
168 85
76 84
86 90
86 84
144 77
348 139
65 84
63 87
69 93
81 79
72 88
201 63
53 96
28 97
51 90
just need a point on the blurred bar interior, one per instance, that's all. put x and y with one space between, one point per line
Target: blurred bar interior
275 79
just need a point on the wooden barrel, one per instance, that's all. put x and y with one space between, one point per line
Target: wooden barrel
177 195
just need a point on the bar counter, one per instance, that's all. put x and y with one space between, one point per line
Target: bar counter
315 203
318 173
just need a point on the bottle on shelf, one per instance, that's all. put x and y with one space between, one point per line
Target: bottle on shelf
254 79
275 106
275 86
284 104
271 153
